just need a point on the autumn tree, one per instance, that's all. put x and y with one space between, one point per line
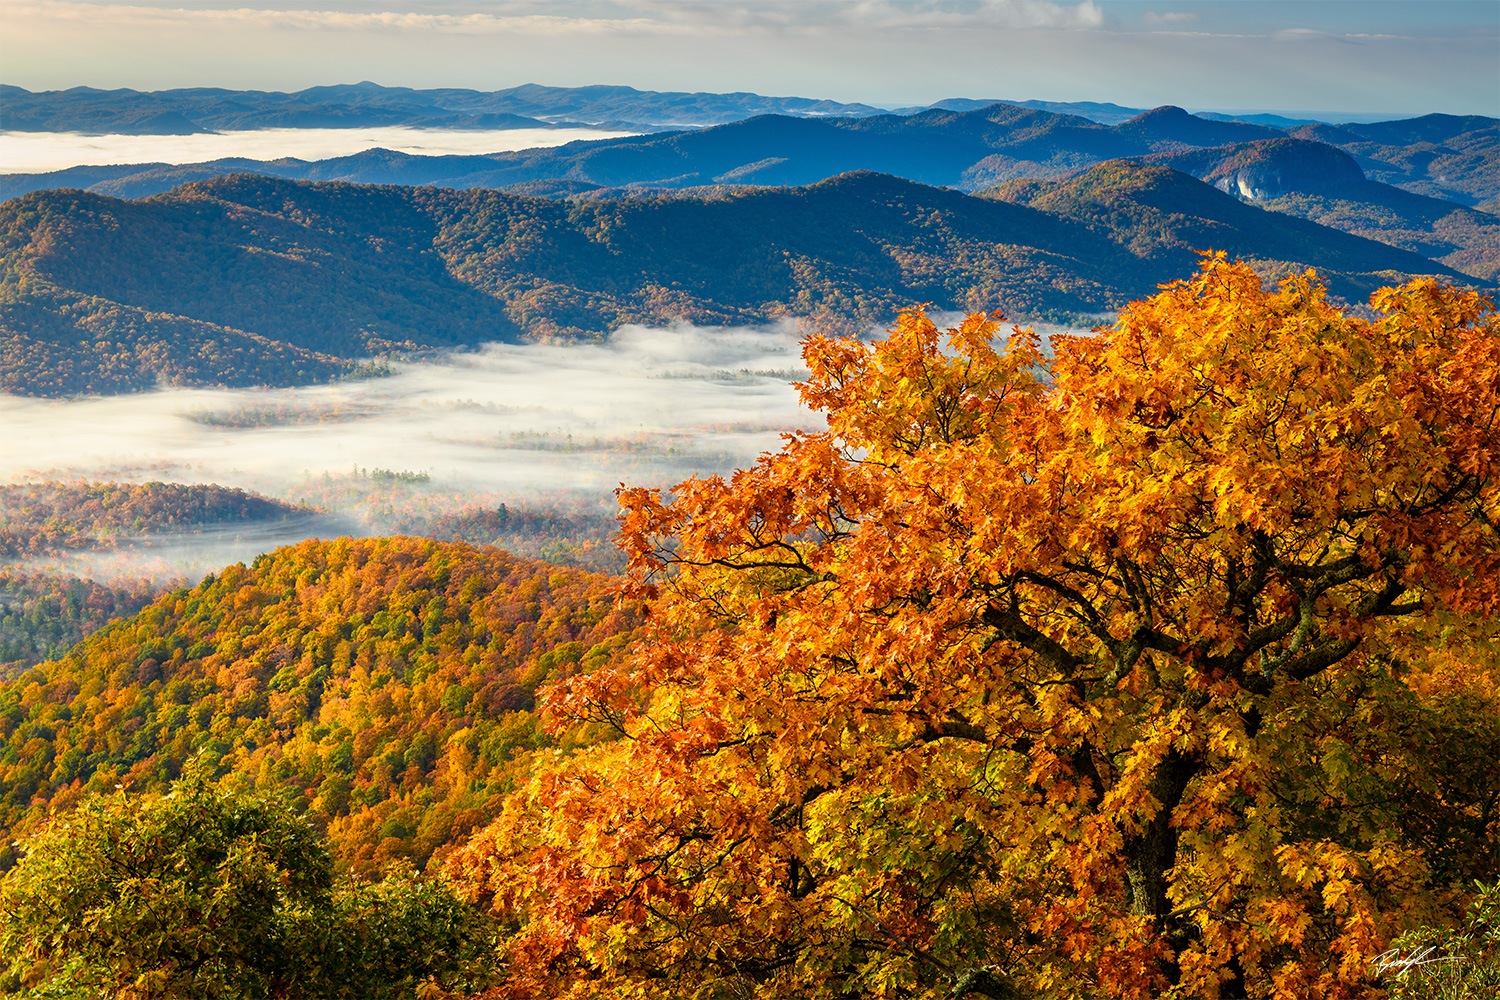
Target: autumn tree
1162 664
208 892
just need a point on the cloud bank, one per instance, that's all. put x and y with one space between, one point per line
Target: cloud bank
35 152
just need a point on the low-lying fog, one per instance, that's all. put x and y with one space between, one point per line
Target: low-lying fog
644 404
37 152
548 430
538 427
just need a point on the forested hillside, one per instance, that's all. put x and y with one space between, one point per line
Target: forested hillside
251 280
38 518
44 614
389 683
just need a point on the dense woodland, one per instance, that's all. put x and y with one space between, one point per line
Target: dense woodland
43 616
389 680
1164 664
120 525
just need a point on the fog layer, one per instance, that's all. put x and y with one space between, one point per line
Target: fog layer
36 152
644 405
538 427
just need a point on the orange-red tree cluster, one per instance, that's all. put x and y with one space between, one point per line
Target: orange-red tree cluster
1164 664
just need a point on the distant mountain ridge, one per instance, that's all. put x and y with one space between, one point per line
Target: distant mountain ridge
252 280
966 149
187 110
1441 156
183 111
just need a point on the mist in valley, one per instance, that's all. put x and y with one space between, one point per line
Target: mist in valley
542 433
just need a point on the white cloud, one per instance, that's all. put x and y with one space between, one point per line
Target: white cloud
340 20
1170 17
1310 35
620 18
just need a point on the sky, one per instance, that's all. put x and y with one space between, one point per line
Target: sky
1398 57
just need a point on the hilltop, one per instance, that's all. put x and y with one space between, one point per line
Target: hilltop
389 682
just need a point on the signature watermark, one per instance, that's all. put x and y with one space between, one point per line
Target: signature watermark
1398 961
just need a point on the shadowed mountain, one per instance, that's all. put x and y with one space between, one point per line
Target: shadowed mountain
1104 113
327 273
1170 127
934 147
1440 156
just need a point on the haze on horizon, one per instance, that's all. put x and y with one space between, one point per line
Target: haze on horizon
38 152
1402 57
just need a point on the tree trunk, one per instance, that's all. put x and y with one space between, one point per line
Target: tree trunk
1151 853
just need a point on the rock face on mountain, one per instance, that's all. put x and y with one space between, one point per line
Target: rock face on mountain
1268 168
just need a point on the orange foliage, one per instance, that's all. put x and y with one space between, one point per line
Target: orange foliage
1103 672
386 682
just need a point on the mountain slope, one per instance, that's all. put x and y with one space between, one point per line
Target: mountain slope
333 272
1162 214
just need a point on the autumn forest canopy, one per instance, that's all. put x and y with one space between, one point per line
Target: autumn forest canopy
1159 661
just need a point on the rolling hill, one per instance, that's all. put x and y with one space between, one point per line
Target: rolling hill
254 280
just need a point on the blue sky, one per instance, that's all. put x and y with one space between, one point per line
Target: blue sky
1359 56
